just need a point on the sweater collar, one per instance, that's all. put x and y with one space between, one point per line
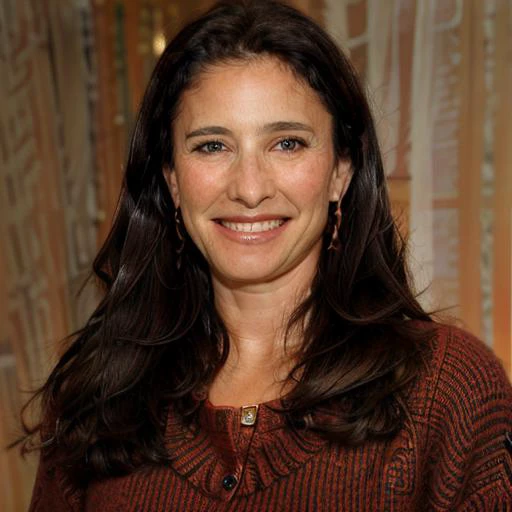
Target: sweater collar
219 445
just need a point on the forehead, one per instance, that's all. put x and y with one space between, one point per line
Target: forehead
257 64
261 87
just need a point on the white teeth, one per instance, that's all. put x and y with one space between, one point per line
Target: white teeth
253 227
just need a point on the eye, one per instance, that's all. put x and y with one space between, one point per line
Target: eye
212 146
291 144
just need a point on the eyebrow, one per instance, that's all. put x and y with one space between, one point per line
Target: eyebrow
277 126
208 130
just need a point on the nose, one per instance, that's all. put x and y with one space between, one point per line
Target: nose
251 181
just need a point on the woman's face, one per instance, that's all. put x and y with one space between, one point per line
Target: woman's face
254 171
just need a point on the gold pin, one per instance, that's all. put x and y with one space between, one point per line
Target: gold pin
249 415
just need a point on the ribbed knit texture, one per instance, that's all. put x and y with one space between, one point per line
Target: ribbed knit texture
451 455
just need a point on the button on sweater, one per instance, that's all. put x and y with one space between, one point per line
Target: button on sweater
452 454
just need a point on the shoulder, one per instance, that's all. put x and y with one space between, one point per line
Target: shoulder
466 414
461 375
52 490
458 370
462 366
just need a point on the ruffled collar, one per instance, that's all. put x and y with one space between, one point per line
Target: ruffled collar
219 445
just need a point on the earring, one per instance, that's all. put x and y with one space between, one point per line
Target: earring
335 240
181 237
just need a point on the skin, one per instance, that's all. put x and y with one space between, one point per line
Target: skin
238 158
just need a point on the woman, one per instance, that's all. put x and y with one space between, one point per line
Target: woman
258 346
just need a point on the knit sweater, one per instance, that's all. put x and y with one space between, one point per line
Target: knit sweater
454 453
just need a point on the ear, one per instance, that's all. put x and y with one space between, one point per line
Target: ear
340 180
172 183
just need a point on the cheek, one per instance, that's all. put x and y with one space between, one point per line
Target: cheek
310 184
197 187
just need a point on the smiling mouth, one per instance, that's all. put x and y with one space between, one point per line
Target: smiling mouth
253 227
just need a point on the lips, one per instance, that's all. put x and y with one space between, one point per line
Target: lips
251 230
253 227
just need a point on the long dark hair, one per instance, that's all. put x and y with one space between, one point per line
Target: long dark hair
156 337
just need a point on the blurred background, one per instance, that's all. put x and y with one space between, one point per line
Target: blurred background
72 72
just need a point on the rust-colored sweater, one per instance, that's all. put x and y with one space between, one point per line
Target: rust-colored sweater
453 454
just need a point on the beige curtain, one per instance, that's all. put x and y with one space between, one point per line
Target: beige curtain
47 202
440 74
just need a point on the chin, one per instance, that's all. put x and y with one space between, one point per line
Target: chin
250 274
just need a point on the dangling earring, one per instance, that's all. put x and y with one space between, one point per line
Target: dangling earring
335 240
181 237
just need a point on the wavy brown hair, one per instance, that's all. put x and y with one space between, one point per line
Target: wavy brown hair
156 338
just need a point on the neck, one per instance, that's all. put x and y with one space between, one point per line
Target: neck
256 317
